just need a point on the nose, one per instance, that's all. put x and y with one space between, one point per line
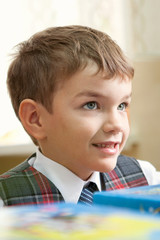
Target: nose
113 123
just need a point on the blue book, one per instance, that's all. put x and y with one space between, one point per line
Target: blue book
146 198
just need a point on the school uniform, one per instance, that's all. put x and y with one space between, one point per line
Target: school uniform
39 180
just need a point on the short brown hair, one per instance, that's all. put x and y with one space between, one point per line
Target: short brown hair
54 54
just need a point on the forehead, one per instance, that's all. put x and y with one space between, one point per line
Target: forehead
91 82
91 70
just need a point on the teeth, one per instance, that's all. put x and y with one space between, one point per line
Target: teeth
105 145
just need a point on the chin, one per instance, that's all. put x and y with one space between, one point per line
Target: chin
108 166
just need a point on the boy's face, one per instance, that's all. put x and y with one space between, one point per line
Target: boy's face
89 124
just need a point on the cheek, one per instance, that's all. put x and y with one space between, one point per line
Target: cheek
89 126
128 115
127 127
126 124
82 133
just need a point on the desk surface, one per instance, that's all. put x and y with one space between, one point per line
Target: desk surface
68 222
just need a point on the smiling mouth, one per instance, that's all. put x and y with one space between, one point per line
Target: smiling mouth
107 148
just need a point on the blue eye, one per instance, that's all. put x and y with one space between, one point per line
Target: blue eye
91 106
122 106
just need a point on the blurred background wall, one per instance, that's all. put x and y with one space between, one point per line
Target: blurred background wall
133 24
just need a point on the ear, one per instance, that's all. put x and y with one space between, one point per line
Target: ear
30 116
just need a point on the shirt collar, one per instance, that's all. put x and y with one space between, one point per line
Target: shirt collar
69 184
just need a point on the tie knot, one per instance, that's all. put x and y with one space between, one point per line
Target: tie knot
92 187
86 196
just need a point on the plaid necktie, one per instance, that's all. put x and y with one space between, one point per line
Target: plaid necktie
86 196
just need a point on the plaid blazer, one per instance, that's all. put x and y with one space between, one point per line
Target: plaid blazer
24 185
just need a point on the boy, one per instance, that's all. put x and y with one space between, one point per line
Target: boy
71 88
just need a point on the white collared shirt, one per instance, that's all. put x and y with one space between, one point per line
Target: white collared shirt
70 185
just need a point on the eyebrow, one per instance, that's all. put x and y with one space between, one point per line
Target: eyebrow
89 94
96 94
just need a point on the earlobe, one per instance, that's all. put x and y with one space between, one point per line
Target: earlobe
30 116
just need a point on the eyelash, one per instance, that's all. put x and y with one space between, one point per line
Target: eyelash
125 105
